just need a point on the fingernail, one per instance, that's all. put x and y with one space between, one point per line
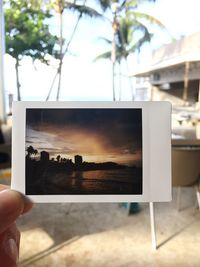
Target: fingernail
11 249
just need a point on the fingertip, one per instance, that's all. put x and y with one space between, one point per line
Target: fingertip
11 200
26 201
12 205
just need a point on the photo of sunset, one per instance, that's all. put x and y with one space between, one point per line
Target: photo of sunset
83 151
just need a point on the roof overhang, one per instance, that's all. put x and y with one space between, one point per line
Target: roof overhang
166 64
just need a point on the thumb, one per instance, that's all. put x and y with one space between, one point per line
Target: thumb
12 205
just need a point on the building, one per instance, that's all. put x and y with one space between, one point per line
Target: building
78 160
44 156
142 89
174 72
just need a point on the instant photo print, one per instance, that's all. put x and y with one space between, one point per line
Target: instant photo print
92 151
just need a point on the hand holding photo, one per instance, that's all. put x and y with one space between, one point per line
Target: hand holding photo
91 151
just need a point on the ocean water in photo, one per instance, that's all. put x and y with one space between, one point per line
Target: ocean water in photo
120 181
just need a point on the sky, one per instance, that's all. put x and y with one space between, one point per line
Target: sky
87 132
82 78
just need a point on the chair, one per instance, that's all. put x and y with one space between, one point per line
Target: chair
185 173
186 169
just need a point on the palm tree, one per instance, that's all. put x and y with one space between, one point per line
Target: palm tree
60 6
122 46
125 23
58 158
30 150
35 152
118 8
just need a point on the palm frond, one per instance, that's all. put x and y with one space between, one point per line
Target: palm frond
105 55
104 4
105 40
134 3
146 34
83 10
136 15
125 26
144 39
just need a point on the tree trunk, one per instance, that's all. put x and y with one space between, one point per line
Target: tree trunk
61 56
120 82
63 53
129 78
113 54
54 79
113 80
17 78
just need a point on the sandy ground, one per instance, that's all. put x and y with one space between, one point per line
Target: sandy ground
103 235
96 235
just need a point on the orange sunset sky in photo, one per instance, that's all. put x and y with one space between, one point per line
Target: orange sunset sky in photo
98 135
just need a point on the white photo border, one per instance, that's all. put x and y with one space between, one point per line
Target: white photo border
156 150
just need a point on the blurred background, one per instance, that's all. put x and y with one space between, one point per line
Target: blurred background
137 50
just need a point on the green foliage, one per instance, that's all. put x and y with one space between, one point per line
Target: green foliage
125 40
130 32
80 8
27 33
122 5
83 10
131 29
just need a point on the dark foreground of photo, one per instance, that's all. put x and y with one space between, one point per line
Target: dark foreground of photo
83 182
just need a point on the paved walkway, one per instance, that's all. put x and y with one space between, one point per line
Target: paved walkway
102 235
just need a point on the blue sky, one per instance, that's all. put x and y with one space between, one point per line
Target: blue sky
82 78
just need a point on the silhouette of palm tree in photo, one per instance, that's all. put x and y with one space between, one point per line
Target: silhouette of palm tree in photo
58 158
30 150
35 152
